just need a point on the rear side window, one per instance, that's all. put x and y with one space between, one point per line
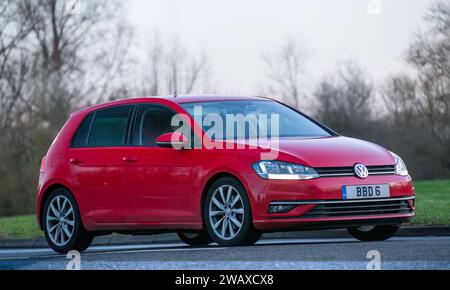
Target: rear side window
79 140
109 127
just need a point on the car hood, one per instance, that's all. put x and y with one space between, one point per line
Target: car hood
332 151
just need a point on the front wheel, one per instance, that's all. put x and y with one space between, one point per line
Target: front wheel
373 233
227 214
62 223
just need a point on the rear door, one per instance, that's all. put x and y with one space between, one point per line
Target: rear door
97 165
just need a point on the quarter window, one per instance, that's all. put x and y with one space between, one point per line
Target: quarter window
79 140
109 127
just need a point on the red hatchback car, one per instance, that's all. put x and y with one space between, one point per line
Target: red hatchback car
118 167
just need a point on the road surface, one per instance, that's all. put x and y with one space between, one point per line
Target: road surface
343 253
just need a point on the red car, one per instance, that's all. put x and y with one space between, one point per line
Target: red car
118 167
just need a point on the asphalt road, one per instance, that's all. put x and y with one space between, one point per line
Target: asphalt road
396 253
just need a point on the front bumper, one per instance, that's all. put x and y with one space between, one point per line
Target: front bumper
345 213
319 204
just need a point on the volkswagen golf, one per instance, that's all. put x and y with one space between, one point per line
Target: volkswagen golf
220 169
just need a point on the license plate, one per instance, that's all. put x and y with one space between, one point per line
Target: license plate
365 191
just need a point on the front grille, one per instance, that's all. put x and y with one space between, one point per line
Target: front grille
355 208
348 171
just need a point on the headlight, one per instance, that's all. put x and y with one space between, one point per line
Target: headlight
283 170
400 167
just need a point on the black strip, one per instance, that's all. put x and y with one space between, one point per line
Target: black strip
90 128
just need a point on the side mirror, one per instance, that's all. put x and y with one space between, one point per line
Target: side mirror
172 139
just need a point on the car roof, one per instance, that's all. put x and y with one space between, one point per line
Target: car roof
210 98
179 99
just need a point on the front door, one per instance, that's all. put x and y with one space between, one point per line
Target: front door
159 180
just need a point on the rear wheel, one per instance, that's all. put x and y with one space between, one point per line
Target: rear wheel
62 223
374 233
227 214
195 238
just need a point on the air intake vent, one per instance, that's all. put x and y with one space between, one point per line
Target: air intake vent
343 209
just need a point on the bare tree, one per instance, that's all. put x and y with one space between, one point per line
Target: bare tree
399 94
50 62
12 62
429 54
171 68
285 68
344 102
75 54
405 130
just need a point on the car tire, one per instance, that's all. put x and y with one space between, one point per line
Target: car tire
375 233
227 214
200 238
62 224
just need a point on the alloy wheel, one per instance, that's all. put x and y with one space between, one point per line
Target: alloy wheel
226 212
60 220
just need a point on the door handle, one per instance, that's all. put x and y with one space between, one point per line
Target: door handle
129 159
75 161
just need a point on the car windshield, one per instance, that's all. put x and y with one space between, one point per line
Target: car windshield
252 119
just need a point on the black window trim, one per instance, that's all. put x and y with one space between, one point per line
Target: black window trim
130 129
90 128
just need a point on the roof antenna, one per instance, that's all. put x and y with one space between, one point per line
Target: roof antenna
175 94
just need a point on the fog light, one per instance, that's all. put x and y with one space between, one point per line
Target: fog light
280 208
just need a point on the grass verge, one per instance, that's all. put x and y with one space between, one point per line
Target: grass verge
19 227
432 202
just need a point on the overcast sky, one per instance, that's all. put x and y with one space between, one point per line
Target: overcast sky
234 33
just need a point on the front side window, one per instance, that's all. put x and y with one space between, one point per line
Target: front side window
109 127
151 122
